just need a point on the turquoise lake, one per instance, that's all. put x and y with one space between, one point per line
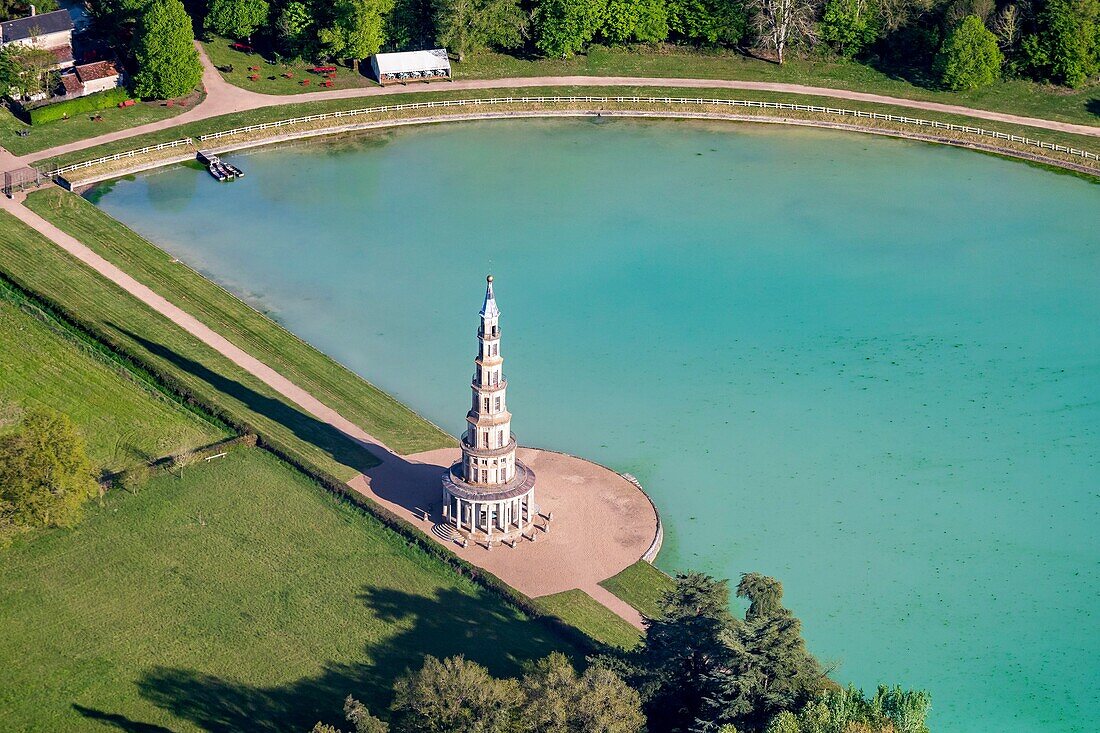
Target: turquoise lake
868 367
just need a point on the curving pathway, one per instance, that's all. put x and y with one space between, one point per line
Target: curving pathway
225 98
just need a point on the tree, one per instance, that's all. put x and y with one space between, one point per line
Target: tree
292 29
1066 48
767 668
558 701
564 27
456 696
237 18
969 57
167 62
684 650
783 23
355 31
45 474
635 20
708 21
849 25
29 70
11 9
463 26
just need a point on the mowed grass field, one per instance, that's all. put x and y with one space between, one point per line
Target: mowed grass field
579 609
641 585
239 596
123 418
39 266
352 396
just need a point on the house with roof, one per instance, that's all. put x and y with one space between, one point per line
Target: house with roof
50 31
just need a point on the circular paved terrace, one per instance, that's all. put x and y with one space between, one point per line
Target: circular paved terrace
602 522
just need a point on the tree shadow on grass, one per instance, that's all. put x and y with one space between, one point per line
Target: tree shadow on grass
120 721
340 446
449 623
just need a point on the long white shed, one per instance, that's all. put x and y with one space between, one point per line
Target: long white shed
406 66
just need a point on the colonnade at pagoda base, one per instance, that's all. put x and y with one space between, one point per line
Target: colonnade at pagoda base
491 520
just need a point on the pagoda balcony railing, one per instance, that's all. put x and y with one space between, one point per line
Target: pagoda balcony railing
489 387
491 452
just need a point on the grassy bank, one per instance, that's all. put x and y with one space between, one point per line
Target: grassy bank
1014 96
240 596
271 114
579 609
354 398
39 266
81 127
641 585
124 419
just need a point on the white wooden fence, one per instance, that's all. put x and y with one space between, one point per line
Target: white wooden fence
671 101
118 156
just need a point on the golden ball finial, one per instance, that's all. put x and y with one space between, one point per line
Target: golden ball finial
489 278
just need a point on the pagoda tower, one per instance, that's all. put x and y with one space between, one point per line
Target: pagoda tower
489 493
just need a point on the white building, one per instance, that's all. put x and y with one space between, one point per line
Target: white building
50 31
406 66
98 76
489 493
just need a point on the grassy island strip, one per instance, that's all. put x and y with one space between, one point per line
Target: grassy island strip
238 595
288 111
378 413
581 610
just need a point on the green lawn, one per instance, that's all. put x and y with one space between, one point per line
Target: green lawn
370 408
124 419
39 266
1014 95
238 597
579 609
269 114
40 137
272 79
641 585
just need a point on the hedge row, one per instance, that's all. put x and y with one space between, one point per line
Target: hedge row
372 510
80 105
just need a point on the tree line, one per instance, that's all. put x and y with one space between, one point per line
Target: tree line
699 669
959 44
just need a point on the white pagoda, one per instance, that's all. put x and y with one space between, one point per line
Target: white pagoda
489 494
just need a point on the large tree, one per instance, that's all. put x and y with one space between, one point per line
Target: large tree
28 70
850 25
164 49
463 26
45 474
766 667
1066 47
635 20
293 26
970 57
683 650
708 21
781 24
560 701
565 27
237 18
355 28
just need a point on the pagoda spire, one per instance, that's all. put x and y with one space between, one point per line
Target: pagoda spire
489 307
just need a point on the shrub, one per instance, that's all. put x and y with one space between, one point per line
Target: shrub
72 107
969 58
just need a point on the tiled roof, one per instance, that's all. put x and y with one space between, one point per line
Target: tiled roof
96 70
63 54
35 25
72 84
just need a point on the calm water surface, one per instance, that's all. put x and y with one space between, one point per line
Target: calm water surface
870 368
